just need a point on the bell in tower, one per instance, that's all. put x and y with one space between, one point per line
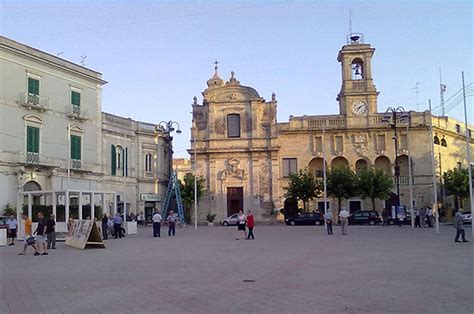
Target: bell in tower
358 95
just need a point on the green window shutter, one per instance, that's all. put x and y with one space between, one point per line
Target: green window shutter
75 147
114 161
126 162
33 86
32 139
75 98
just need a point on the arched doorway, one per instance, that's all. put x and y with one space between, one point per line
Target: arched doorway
383 163
360 165
340 162
32 186
316 165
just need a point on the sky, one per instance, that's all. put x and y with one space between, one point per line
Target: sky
158 55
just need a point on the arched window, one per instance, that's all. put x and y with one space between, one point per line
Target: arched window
357 69
444 143
119 160
436 140
148 162
233 125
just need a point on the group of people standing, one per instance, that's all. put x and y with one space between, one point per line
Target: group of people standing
424 218
41 240
343 216
171 219
244 222
112 225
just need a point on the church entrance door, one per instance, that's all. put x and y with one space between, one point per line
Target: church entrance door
235 200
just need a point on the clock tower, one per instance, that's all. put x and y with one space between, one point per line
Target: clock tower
358 95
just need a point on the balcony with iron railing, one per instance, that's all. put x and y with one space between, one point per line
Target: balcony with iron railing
76 164
32 158
75 112
33 101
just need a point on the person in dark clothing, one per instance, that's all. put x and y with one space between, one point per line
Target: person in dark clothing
40 234
118 226
105 221
417 219
171 224
51 233
458 224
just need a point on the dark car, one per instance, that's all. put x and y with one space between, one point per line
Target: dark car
361 217
313 218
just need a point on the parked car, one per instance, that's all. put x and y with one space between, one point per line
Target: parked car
407 221
361 217
314 218
231 220
467 217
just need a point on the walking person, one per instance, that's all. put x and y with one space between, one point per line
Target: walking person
105 222
250 225
429 214
171 223
344 215
156 224
328 219
117 226
384 217
241 223
459 225
29 239
41 234
51 232
12 227
422 217
417 219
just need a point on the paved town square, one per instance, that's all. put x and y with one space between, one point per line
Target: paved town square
285 270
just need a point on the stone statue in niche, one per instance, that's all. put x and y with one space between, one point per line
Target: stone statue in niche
359 144
232 169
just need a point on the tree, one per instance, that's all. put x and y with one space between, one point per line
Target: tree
303 186
373 184
187 192
9 210
456 182
341 184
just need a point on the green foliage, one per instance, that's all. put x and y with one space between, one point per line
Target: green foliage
456 182
303 186
341 183
210 217
187 192
373 184
9 210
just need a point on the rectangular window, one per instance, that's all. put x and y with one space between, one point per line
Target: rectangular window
33 86
289 167
233 125
75 147
32 139
339 143
381 142
75 98
318 144
403 141
113 160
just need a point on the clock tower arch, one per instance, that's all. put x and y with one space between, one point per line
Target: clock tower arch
358 95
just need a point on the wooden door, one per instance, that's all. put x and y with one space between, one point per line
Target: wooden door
235 200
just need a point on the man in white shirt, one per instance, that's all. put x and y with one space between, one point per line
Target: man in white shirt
12 228
156 224
343 215
328 219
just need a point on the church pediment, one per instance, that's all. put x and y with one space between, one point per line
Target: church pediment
228 93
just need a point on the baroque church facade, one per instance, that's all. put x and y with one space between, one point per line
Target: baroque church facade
246 155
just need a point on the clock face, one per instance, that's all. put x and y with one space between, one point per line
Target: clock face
359 107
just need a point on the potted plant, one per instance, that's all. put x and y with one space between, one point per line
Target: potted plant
210 219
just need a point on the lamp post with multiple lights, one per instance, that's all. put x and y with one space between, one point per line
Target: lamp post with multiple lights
168 127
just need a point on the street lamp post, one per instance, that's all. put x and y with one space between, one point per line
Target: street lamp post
167 127
391 117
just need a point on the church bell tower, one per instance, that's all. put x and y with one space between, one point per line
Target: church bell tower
358 95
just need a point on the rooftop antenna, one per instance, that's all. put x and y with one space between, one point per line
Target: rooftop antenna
417 92
59 53
442 90
83 60
350 21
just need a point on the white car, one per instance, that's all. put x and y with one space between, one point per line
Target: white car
231 220
467 217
